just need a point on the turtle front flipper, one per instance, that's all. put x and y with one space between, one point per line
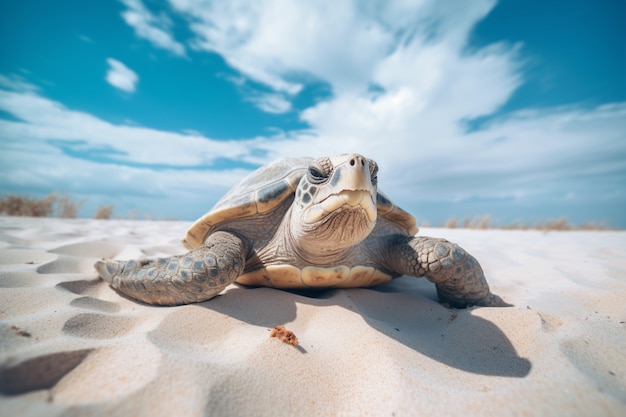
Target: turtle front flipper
458 276
190 278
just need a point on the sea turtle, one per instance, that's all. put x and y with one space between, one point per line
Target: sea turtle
303 223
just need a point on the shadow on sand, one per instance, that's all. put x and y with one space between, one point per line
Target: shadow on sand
405 310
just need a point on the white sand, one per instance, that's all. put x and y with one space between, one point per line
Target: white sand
70 345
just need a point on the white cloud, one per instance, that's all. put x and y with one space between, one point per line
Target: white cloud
414 50
41 119
339 42
120 76
50 147
16 83
533 153
155 29
270 103
85 38
271 40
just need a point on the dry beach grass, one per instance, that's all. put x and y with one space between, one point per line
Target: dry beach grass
63 206
70 345
51 205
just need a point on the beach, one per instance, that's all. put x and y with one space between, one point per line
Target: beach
72 346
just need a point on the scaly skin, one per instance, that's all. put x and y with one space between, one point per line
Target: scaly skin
458 276
190 278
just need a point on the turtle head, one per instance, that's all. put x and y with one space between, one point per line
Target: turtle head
335 202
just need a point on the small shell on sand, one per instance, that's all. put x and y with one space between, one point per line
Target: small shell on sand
287 336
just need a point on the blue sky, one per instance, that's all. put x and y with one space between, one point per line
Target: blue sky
516 109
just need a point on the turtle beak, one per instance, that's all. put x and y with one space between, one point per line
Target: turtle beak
351 173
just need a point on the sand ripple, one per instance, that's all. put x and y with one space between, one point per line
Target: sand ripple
41 372
98 326
91 303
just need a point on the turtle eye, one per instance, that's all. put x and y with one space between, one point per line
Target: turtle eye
315 176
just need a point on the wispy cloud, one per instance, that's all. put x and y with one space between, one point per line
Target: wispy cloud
415 51
16 83
154 29
428 83
89 137
571 154
120 76
270 102
85 38
269 41
47 146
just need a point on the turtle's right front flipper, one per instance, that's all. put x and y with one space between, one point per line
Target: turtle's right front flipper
190 278
458 276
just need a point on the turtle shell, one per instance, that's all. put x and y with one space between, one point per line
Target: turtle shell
388 210
260 192
265 189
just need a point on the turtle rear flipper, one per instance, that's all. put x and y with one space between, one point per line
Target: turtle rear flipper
190 278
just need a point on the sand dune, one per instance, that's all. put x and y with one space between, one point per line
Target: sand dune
70 345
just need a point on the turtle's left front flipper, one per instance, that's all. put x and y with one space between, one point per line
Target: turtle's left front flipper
190 278
458 276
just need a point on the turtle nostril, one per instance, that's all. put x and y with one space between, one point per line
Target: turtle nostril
356 159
